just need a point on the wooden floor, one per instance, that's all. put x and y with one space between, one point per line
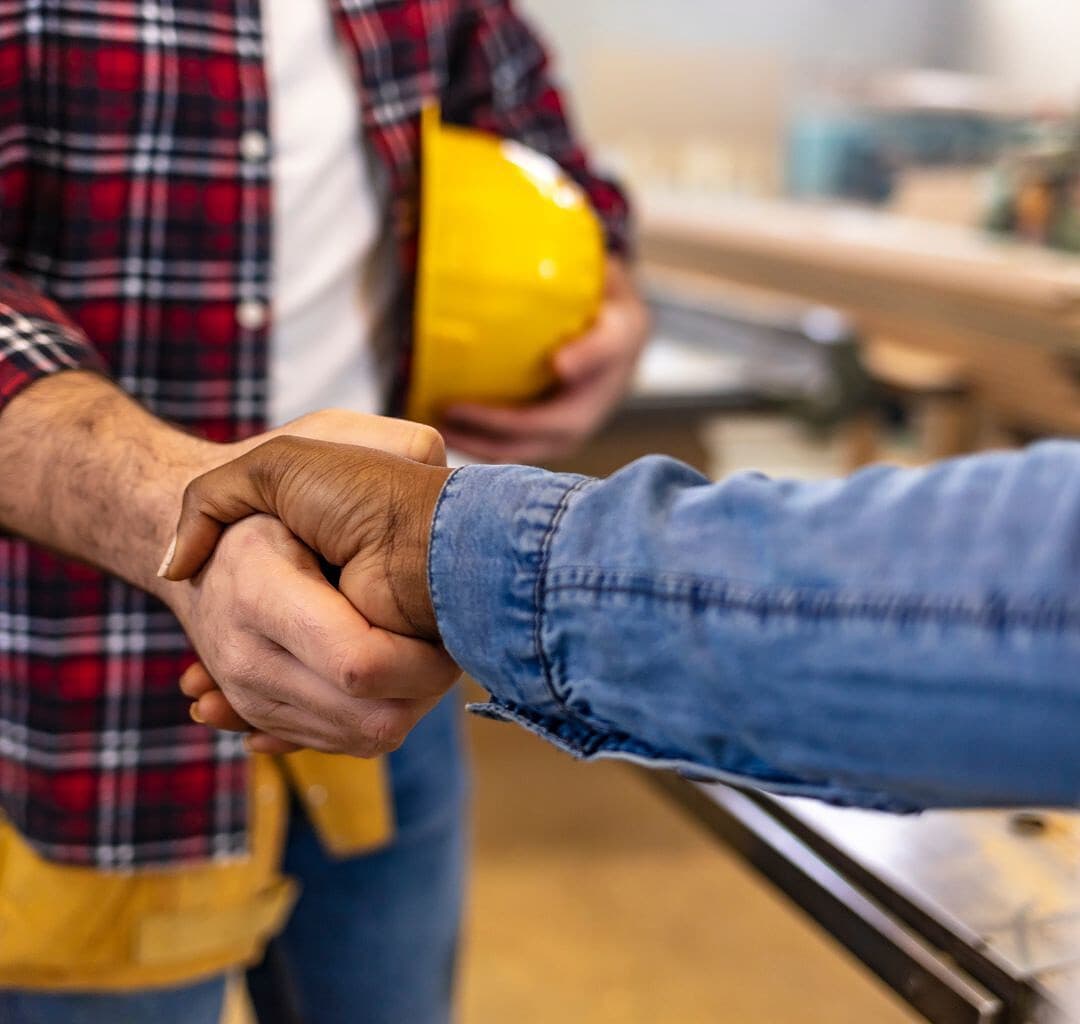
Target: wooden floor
594 902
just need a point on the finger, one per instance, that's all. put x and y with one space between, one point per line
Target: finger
495 450
325 633
213 501
339 724
404 438
546 429
395 667
337 645
213 709
555 417
291 702
303 733
615 339
261 743
195 681
603 346
287 700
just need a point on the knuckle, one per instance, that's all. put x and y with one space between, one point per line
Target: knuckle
192 500
271 448
336 422
258 705
449 673
244 705
273 714
251 543
305 621
264 464
352 673
235 669
262 715
246 591
327 424
434 682
387 731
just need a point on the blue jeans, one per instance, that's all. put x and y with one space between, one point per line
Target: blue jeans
373 939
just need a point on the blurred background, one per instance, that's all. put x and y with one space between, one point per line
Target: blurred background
859 226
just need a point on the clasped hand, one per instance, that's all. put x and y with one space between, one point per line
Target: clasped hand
303 664
286 655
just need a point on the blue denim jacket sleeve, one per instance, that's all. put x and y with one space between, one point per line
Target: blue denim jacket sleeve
897 640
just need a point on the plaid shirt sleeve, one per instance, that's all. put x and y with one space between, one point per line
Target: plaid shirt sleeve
500 81
36 338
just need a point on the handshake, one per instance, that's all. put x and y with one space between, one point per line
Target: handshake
293 660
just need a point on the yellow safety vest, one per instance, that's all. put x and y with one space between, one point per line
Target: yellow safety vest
65 927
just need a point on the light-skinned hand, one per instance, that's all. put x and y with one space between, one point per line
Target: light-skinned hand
365 511
593 374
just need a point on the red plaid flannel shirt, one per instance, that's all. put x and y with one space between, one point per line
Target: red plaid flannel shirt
135 237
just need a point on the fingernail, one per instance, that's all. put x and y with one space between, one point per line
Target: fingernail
167 560
195 715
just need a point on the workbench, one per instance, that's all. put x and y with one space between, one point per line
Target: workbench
972 917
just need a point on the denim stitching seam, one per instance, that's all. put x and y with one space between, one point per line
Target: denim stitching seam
804 604
540 591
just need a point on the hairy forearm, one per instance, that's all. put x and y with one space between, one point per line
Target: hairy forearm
90 473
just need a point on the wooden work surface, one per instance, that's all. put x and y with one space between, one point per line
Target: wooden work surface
892 273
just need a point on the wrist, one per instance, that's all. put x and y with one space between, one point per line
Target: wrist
92 474
181 458
408 577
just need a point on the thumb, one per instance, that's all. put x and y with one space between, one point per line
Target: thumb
240 488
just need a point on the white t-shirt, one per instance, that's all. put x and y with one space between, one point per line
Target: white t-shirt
329 287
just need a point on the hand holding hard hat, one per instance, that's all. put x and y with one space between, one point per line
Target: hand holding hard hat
526 334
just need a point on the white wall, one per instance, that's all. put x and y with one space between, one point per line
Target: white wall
850 33
1033 46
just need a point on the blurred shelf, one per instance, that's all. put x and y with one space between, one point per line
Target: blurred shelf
891 272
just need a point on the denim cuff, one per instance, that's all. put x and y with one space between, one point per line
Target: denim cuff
490 539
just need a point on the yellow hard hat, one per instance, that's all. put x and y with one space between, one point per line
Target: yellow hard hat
511 266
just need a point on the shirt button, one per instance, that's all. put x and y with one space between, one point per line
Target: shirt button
317 795
254 146
251 315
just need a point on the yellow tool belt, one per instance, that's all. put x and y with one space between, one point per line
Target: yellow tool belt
65 927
